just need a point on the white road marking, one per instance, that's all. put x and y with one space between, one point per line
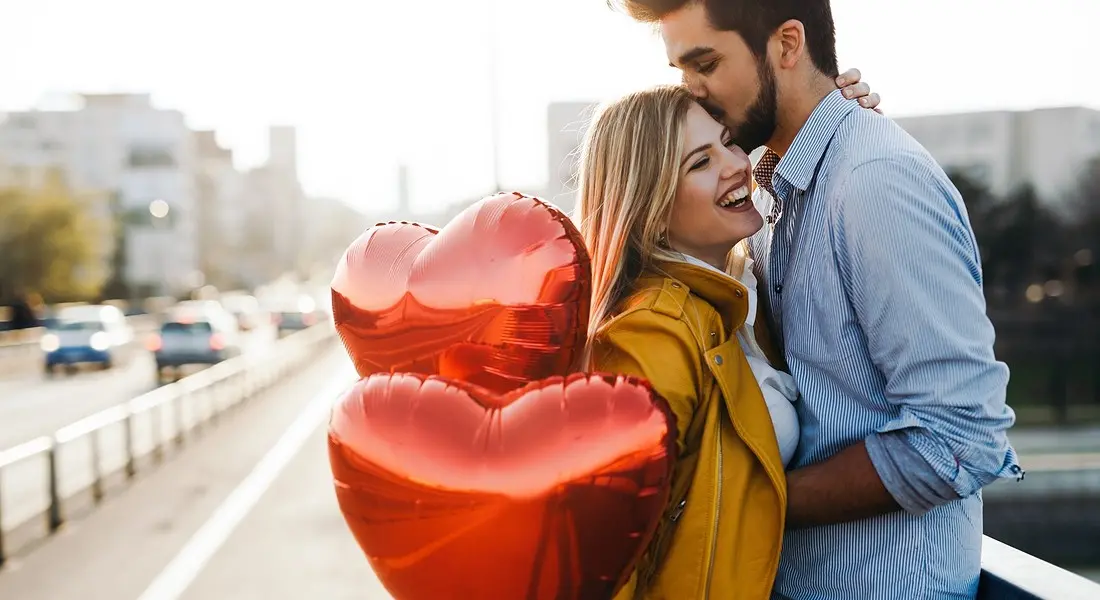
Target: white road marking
173 581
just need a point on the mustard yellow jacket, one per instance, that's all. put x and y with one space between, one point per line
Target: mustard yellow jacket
721 534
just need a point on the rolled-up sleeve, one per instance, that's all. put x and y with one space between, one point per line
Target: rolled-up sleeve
912 271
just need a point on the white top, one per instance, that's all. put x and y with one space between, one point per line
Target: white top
779 389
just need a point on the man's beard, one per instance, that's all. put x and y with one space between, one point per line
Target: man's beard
759 123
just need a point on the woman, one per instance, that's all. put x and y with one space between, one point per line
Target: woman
665 197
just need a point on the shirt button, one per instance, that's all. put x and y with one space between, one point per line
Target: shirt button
717 359
779 289
676 285
738 293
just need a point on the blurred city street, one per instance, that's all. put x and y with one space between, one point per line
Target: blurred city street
36 404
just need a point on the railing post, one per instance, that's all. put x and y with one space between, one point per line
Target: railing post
54 517
196 419
212 404
3 554
177 409
97 471
128 423
156 427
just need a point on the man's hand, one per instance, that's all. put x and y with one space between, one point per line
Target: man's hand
850 82
844 488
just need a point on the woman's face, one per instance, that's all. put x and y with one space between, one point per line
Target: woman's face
713 209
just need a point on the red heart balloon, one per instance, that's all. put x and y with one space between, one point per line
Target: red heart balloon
549 492
499 297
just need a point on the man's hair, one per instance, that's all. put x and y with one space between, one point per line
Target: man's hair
755 20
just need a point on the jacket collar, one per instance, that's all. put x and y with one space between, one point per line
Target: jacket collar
727 295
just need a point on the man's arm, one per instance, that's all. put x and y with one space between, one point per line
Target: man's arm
911 268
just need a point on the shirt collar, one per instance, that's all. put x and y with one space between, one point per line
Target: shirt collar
797 168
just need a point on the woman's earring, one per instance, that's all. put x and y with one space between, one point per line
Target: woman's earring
662 240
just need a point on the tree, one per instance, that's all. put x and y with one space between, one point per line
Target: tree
116 285
1085 216
1022 240
980 202
50 244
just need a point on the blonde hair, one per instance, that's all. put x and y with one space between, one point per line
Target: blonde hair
628 176
629 171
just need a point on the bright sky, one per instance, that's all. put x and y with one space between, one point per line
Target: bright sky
410 82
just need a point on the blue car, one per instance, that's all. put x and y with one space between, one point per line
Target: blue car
99 338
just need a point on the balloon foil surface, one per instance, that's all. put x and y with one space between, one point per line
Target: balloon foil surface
498 298
549 492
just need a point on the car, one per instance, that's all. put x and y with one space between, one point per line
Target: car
202 339
87 335
297 316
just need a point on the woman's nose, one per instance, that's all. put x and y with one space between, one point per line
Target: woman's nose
734 164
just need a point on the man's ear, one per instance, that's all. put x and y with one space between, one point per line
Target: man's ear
790 38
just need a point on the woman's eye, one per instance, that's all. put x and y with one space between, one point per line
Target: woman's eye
707 67
703 162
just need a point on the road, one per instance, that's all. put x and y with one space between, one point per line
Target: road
32 404
247 511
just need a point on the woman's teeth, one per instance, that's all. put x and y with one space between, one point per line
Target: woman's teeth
735 198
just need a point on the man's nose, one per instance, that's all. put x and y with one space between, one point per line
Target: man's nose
694 86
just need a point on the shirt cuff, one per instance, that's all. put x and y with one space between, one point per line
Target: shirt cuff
909 478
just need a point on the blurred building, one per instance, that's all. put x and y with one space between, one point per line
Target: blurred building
442 215
122 143
184 214
1046 148
219 212
287 203
328 228
272 209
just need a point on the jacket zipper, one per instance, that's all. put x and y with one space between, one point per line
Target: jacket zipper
717 516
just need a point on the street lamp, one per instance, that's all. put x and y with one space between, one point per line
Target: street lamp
159 210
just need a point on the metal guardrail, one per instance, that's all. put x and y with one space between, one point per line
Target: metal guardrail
39 476
1009 574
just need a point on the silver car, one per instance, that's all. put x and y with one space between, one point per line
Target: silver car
199 340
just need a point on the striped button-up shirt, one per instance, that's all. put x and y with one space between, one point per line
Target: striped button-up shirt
874 289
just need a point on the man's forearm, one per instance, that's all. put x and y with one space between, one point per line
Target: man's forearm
846 487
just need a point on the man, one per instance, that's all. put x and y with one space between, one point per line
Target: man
874 291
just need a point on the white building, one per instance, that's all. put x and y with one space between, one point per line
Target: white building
220 214
273 208
122 143
1045 148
